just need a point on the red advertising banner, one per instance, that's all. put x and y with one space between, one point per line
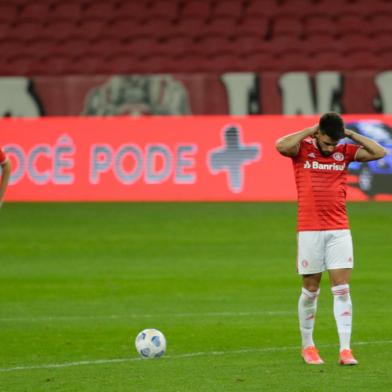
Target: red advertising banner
214 158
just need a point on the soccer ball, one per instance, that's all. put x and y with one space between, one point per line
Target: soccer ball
150 343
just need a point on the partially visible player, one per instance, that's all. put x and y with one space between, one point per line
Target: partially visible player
324 238
5 175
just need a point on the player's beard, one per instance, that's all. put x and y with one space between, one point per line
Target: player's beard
323 153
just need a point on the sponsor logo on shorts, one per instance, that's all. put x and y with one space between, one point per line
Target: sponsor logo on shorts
304 263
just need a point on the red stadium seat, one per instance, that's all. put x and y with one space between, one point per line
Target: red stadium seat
57 63
133 10
257 27
297 8
382 43
261 8
328 8
289 62
99 11
69 11
122 64
213 46
380 24
362 61
21 64
328 61
287 25
34 12
10 48
260 63
350 23
42 47
228 8
286 44
316 43
144 47
319 24
222 27
353 42
159 29
190 27
8 12
28 30
61 30
75 46
92 29
196 9
85 64
163 9
177 46
245 46
105 46
194 64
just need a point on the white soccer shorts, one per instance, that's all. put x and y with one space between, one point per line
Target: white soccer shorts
324 250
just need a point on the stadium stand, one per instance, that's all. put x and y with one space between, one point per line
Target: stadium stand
167 30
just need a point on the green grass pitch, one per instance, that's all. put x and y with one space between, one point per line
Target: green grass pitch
79 281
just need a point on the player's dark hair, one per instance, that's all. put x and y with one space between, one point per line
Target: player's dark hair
332 124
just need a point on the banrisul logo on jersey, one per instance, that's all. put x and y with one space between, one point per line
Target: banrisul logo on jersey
324 166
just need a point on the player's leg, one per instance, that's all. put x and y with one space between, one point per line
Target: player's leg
310 266
339 260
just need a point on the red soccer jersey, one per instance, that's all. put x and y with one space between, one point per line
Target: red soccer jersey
2 157
321 186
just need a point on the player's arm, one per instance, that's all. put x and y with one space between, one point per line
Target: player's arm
289 145
5 175
369 150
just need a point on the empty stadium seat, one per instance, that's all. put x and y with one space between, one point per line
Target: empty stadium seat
131 9
196 9
362 60
69 11
327 61
294 62
8 12
380 24
221 27
287 25
215 46
123 29
163 9
92 29
261 8
177 46
260 62
353 42
34 11
99 10
286 44
245 46
316 43
228 8
61 30
191 27
319 24
351 23
252 26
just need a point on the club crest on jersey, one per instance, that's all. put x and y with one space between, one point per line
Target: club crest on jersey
338 156
324 166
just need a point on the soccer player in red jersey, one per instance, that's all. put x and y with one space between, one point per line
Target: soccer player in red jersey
324 238
5 174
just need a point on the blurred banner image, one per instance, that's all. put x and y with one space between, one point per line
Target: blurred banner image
234 93
173 158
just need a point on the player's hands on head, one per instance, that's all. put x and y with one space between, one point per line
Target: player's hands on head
348 132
